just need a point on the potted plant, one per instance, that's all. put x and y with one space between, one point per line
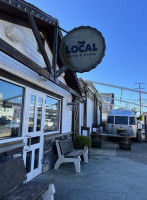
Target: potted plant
83 142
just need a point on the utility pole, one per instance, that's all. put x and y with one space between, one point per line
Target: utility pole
139 90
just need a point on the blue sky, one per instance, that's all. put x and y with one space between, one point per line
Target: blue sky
123 23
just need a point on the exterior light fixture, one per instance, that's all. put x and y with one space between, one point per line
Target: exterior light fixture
14 34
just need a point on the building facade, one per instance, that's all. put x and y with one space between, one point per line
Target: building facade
90 108
34 94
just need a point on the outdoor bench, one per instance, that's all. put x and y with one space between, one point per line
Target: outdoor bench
67 153
12 176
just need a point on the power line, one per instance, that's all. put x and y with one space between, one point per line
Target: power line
115 86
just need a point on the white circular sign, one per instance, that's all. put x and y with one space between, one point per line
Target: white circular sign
82 49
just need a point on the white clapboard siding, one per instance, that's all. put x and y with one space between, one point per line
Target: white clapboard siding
28 46
90 110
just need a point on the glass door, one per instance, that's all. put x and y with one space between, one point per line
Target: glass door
33 133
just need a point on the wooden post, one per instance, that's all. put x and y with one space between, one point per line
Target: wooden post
85 106
55 49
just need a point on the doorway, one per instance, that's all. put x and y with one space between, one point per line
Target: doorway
33 132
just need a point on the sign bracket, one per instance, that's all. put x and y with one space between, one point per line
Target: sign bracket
62 29
60 71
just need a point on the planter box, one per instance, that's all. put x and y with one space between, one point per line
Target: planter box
96 140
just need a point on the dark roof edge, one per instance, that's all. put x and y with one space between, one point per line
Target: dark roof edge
31 9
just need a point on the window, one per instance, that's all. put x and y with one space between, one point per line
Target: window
132 121
32 113
52 112
121 120
39 113
11 106
110 120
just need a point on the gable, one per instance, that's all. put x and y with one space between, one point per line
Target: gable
16 12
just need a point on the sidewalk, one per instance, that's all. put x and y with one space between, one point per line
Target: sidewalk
106 177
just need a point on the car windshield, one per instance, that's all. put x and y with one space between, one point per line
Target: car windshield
121 120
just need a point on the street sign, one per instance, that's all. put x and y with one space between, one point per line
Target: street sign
82 49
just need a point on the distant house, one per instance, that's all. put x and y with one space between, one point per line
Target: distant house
90 108
34 100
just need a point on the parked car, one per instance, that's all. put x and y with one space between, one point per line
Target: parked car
4 121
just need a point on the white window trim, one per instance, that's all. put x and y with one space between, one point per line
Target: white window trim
44 133
15 138
60 111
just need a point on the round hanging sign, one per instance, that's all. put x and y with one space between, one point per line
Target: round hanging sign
82 49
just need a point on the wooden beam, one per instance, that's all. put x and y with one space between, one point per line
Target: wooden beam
101 114
60 71
95 110
17 55
39 42
24 7
85 106
55 49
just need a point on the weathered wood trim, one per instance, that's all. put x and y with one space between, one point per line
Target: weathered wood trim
95 110
60 71
14 20
26 8
55 49
85 107
100 114
17 55
11 147
10 143
49 137
39 42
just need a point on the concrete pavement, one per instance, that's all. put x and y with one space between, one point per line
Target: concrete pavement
106 177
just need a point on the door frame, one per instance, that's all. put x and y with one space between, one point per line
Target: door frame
28 135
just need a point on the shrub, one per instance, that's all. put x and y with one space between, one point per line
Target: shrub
81 141
140 118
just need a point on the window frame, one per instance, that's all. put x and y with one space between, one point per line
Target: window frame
60 114
15 139
26 84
